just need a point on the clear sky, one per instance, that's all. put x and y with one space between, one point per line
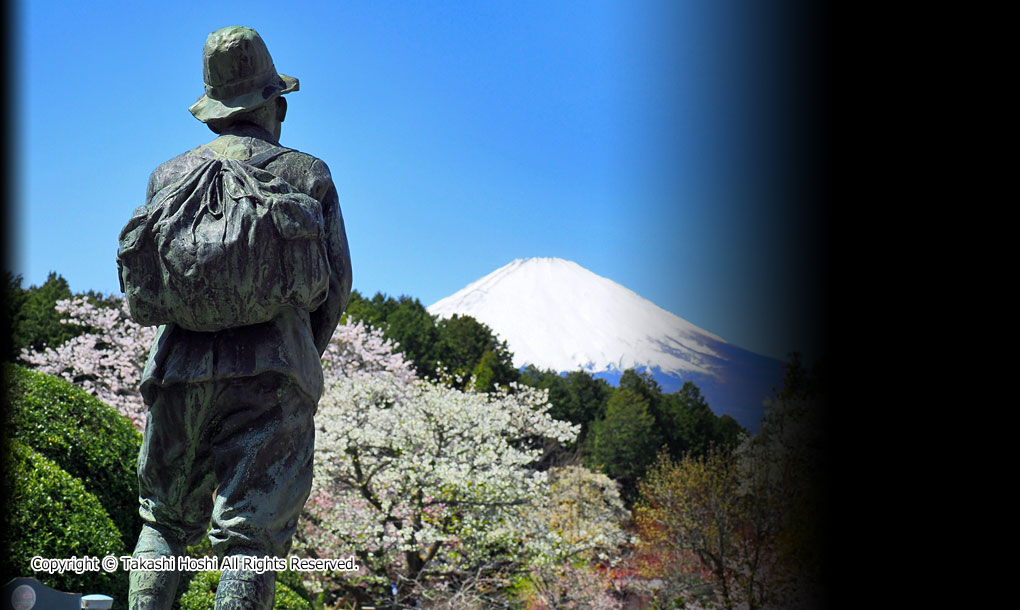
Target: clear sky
649 142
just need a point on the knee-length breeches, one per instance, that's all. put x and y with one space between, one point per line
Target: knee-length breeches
238 452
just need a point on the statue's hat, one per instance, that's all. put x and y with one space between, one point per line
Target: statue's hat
239 74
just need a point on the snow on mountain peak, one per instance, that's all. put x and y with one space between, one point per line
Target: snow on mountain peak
556 314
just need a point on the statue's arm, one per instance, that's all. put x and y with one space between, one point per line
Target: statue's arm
327 316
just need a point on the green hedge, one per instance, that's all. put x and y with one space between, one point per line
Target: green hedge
201 594
84 436
52 515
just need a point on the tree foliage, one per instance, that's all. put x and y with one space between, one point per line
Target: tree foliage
582 517
468 348
106 360
403 321
693 505
587 398
52 514
784 468
801 382
31 316
576 397
748 521
200 594
641 420
358 350
582 521
623 444
85 437
692 426
461 346
423 481
446 477
571 587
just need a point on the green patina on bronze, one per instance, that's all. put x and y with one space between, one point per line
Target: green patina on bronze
239 74
240 254
228 244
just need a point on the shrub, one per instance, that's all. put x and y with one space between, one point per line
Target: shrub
52 515
292 580
84 436
201 594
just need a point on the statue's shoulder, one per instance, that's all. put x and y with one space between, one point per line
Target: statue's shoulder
173 169
303 161
305 171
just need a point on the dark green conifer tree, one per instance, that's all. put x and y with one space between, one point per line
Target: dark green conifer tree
624 443
32 318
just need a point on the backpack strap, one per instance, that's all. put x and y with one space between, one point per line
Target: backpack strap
262 159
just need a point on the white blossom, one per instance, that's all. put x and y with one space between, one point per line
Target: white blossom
421 479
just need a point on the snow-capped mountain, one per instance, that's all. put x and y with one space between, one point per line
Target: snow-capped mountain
557 315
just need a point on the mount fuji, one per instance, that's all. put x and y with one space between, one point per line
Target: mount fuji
557 315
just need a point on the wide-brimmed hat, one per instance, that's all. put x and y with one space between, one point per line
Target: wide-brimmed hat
239 74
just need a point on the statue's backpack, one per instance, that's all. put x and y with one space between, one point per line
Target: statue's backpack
227 245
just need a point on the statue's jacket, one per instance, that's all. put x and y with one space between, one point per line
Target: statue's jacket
293 342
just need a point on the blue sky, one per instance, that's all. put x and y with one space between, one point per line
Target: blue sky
638 139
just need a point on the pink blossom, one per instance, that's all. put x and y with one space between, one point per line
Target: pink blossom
107 361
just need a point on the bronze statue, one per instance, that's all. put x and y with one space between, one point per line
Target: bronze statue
240 255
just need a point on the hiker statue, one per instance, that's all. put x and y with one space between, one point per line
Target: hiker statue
240 256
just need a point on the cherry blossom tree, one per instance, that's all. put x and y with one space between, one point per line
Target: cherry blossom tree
579 530
358 350
107 360
423 482
433 488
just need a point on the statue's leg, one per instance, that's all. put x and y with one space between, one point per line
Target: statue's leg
150 590
176 482
246 590
263 455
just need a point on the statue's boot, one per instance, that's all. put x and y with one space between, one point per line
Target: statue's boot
153 590
246 590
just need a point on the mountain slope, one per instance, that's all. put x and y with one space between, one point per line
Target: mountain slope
557 315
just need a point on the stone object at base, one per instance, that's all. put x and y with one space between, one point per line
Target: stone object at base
30 594
97 602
